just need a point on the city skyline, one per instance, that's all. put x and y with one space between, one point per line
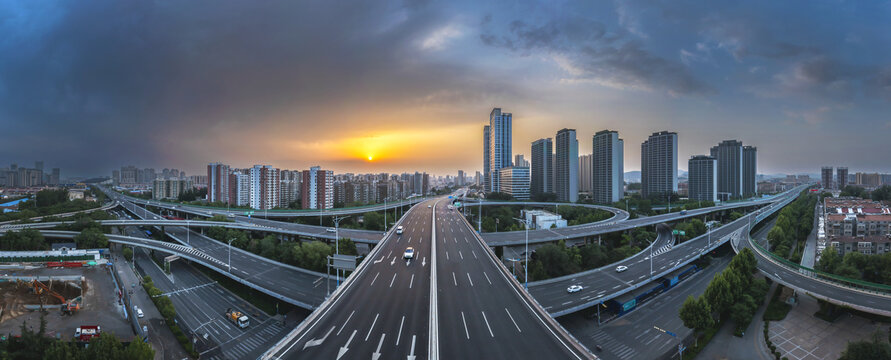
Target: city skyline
414 79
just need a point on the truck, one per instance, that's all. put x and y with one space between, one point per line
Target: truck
86 332
237 318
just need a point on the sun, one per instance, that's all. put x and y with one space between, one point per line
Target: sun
370 157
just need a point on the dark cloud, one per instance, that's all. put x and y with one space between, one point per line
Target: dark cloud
597 54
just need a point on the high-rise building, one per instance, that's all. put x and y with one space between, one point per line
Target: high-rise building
317 188
586 183
239 188
519 160
290 187
869 180
128 175
659 164
750 170
542 166
217 182
39 165
515 181
487 160
566 167
169 188
729 154
500 135
265 181
608 167
842 173
702 172
55 177
826 177
460 180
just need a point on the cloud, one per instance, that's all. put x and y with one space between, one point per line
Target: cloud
439 37
589 52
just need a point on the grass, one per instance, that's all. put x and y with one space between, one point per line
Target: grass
776 309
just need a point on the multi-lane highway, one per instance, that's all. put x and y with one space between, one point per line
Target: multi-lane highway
382 310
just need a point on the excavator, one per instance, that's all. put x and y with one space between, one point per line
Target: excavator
68 307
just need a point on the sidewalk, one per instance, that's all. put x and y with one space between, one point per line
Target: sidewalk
160 337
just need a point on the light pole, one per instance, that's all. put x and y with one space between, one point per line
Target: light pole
230 255
337 220
525 268
188 240
385 215
680 346
497 221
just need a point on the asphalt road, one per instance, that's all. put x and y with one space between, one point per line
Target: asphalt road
384 307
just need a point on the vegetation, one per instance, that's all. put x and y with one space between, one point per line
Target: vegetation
499 196
33 240
691 229
264 302
867 350
48 202
128 253
554 260
167 310
732 293
793 225
36 345
854 265
307 255
193 194
776 309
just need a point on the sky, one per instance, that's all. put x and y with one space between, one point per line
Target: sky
89 86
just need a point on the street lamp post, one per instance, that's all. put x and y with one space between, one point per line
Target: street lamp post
230 255
188 240
680 345
337 220
525 268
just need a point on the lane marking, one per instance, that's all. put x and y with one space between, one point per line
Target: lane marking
345 347
447 255
465 326
372 326
487 278
317 342
345 322
377 354
394 279
375 278
454 279
412 281
474 254
512 320
487 324
468 279
399 335
460 254
411 355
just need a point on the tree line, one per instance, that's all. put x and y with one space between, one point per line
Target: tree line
308 255
48 202
555 260
733 293
37 345
168 311
794 224
882 193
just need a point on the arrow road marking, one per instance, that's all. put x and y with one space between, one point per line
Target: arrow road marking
411 355
381 259
377 354
393 261
317 342
345 348
424 262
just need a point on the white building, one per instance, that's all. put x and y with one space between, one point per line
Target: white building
540 219
265 192
515 181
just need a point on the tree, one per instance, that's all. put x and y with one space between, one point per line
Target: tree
742 312
347 246
735 215
128 253
882 194
139 350
776 236
867 350
105 347
696 314
91 238
373 220
718 294
314 255
829 260
499 196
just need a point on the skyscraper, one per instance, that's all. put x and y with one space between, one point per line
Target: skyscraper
487 159
585 172
265 181
239 188
520 161
499 145
729 154
460 180
750 170
566 167
608 167
659 164
542 166
826 177
703 178
317 188
217 182
842 173
515 181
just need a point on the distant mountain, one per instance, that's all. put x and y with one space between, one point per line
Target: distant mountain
632 176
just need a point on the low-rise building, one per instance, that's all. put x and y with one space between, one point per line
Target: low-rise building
540 219
854 224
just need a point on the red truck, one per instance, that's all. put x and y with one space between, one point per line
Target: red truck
87 332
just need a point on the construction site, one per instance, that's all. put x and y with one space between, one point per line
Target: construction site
68 297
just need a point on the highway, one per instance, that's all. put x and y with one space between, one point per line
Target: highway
382 310
604 283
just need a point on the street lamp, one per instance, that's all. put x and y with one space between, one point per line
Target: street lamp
525 268
188 233
680 346
230 255
337 220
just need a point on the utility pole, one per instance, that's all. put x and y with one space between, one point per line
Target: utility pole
337 220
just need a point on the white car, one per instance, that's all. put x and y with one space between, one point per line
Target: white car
399 230
409 253
621 268
331 230
574 288
139 313
429 206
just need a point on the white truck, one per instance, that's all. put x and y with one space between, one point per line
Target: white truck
237 318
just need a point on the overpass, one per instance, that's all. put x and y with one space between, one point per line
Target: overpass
301 287
605 283
273 213
108 206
